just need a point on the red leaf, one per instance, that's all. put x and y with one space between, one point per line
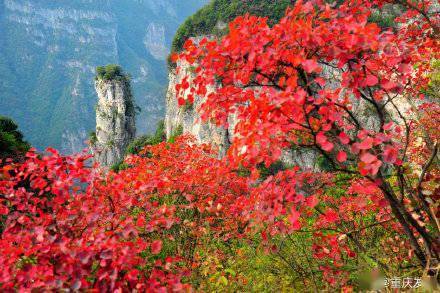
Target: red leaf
181 101
388 126
294 216
331 216
375 167
368 158
174 57
342 156
156 246
3 210
311 201
343 137
322 140
310 65
320 81
366 144
327 146
141 221
371 80
390 154
388 85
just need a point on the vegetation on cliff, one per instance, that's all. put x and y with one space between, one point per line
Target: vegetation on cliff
433 89
111 72
206 21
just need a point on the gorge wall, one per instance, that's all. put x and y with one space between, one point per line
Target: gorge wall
188 119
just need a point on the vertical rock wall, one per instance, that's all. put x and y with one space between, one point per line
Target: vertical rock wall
115 121
188 119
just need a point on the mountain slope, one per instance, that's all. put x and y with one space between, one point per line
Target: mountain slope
213 17
49 50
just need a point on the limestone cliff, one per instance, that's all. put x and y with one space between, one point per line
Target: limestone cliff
188 118
115 120
220 138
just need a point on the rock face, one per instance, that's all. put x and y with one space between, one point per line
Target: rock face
115 121
155 41
188 119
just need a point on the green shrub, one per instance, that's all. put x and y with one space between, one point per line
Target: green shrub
11 140
433 89
119 166
324 164
188 106
272 170
384 20
177 132
92 138
139 143
111 72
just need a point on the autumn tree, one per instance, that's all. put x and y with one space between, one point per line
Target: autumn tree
327 79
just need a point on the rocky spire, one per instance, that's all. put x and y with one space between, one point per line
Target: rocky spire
115 115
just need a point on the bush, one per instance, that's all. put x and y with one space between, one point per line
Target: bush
433 89
119 166
384 20
177 132
139 143
92 138
11 140
272 170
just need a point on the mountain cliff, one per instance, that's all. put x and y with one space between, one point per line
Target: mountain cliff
210 20
187 119
49 50
115 116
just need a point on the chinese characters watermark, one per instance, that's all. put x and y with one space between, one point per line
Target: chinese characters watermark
402 283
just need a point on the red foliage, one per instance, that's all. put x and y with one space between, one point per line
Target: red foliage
299 83
69 226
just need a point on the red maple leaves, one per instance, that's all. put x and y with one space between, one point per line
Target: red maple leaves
325 79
